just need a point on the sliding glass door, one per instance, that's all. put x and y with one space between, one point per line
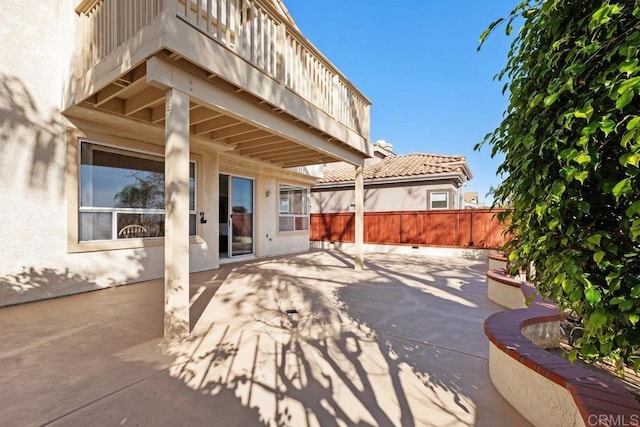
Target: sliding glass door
236 208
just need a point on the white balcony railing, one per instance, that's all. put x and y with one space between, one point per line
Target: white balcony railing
106 24
251 29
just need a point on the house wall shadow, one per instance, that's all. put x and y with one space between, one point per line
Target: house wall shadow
24 127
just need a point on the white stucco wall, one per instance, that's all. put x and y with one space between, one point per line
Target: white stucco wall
37 42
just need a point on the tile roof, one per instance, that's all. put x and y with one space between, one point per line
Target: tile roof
400 166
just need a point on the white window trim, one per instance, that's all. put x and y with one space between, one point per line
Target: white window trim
431 193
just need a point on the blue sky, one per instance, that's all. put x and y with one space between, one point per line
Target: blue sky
417 62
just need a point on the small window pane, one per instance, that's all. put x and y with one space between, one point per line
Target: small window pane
140 225
302 223
293 208
286 223
111 179
95 226
439 201
293 200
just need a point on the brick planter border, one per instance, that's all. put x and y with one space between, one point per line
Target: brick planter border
599 401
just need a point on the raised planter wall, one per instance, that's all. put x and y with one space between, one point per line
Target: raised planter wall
546 389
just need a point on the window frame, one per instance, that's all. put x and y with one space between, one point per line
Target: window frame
447 197
307 194
131 152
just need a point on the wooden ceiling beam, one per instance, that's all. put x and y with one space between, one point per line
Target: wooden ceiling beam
312 161
202 114
144 115
291 155
231 131
213 124
270 148
150 97
115 105
270 140
248 137
133 78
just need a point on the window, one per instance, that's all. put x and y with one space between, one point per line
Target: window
293 209
122 194
439 200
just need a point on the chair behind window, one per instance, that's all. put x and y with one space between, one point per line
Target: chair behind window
132 231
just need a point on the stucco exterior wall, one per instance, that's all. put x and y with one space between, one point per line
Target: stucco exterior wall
379 198
538 399
38 260
269 240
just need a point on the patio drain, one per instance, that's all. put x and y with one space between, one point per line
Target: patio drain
291 311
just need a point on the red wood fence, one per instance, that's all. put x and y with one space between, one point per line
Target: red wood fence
469 228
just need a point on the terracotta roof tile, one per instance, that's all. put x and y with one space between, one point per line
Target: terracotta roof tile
400 166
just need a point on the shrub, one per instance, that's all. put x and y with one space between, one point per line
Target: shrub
571 141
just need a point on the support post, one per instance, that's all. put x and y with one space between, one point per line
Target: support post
359 217
176 240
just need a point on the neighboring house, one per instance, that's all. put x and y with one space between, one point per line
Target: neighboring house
393 182
141 139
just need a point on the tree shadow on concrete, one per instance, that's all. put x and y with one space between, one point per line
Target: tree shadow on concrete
341 358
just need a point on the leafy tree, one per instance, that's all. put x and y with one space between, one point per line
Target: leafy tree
571 141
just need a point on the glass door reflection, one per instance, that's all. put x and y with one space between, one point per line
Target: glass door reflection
241 220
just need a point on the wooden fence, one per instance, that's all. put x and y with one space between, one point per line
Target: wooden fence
469 228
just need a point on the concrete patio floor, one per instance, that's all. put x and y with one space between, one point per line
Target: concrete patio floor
400 343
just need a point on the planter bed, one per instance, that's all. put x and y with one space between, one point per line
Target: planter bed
545 388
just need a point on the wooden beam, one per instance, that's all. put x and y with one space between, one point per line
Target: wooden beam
202 114
311 161
157 114
115 105
283 158
163 73
236 130
144 114
271 140
269 148
290 152
247 137
213 124
150 97
132 79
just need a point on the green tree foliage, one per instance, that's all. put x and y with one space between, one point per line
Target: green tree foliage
571 141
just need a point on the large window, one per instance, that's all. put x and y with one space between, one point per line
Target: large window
122 194
293 208
439 200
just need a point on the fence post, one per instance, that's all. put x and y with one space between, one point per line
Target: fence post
472 243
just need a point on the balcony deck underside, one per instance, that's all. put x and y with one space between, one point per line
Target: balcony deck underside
229 118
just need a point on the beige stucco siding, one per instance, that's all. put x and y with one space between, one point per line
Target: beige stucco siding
38 194
379 198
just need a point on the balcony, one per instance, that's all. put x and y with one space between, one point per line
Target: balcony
248 55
